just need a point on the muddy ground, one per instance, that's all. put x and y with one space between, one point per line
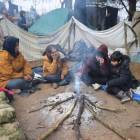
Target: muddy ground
90 128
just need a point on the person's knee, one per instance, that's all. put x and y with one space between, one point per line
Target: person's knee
48 77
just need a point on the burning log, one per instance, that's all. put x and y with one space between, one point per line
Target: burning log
45 135
105 108
52 104
107 125
76 124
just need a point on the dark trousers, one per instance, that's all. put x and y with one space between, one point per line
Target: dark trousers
116 90
90 79
56 78
19 84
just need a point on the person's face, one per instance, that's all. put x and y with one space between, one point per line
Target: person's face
109 14
24 14
4 11
98 58
115 63
54 51
17 47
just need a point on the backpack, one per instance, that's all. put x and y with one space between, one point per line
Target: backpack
79 51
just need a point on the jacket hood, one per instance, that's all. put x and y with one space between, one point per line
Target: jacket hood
126 61
10 44
103 49
21 13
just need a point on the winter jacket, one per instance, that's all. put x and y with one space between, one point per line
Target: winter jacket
12 68
91 64
121 74
54 67
108 22
22 22
9 17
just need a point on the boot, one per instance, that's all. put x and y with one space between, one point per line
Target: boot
62 83
129 93
124 98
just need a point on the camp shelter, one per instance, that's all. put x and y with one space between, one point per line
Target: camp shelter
33 46
136 23
51 21
96 14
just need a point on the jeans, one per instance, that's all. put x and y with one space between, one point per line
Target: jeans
56 78
116 90
19 84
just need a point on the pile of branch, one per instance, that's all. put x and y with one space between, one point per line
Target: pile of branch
84 102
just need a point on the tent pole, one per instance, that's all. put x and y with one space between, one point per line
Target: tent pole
70 29
125 38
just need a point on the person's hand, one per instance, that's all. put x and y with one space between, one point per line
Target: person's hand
29 77
26 78
62 76
55 56
101 61
78 73
106 84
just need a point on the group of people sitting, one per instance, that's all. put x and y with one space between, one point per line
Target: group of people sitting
113 72
21 20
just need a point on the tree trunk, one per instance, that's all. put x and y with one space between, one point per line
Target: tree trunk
132 8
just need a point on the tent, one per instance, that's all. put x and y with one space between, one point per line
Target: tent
51 22
32 46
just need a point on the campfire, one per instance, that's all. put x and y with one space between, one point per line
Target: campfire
74 106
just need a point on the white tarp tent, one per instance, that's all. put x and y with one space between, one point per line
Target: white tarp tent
32 46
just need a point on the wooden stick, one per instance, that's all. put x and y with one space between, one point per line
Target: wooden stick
136 23
134 34
105 108
76 124
54 127
106 124
125 39
52 104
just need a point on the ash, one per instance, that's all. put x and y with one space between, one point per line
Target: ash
51 117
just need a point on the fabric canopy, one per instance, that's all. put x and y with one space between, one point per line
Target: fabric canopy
32 46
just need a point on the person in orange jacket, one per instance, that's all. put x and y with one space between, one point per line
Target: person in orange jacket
15 72
5 14
55 69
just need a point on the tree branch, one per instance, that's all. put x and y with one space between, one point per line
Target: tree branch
125 7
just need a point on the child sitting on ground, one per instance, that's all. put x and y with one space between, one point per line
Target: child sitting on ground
120 77
55 69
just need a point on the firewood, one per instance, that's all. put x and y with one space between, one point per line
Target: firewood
54 127
106 124
76 124
52 104
105 108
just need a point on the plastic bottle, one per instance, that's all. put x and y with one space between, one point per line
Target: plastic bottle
77 84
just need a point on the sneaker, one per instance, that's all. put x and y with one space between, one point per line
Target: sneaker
129 94
125 99
96 86
62 83
55 85
36 81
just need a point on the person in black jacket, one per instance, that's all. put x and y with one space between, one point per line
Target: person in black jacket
108 22
120 78
22 21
